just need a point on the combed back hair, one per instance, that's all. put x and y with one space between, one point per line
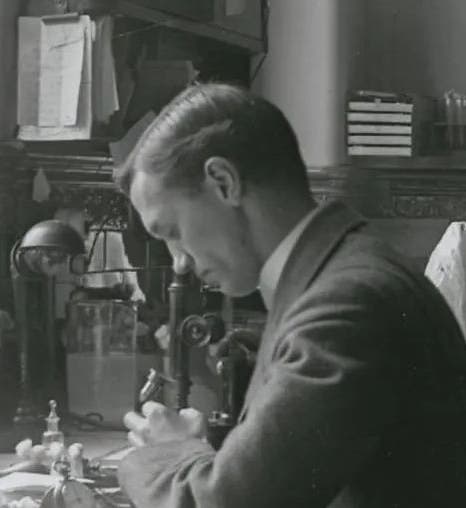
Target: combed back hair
223 120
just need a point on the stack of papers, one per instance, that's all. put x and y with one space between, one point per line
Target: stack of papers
55 78
66 76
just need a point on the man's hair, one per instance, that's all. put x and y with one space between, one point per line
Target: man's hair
222 120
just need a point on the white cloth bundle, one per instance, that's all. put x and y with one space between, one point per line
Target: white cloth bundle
446 268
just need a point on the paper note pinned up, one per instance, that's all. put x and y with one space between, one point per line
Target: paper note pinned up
61 71
50 76
55 78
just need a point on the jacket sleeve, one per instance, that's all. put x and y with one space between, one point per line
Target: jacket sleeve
329 391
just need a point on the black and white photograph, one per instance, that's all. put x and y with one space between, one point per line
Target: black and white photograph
232 253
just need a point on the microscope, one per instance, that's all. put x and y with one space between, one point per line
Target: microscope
234 365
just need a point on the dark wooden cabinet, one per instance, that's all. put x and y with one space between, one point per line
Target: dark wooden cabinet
239 23
208 19
246 20
199 10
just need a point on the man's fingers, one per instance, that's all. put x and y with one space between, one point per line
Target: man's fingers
195 421
151 407
135 422
135 439
158 423
191 414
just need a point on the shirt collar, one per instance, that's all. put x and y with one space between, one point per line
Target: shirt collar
273 267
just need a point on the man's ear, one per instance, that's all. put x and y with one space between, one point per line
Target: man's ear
223 177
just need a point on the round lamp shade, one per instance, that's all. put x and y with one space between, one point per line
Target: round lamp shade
46 246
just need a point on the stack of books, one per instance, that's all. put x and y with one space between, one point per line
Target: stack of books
380 123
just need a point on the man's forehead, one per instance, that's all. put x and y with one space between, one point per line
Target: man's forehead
145 188
151 202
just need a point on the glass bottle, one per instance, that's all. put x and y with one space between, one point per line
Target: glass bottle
53 434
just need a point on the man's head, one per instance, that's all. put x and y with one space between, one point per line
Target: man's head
205 175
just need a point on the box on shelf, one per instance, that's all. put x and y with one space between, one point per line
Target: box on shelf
388 124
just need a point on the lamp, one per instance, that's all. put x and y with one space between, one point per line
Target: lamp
46 246
41 251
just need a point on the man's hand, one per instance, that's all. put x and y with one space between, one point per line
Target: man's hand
160 424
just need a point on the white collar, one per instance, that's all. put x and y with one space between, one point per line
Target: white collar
273 267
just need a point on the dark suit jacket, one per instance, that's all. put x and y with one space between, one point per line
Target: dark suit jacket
357 400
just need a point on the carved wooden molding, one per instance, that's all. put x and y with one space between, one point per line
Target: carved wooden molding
449 207
418 188
411 191
99 204
77 181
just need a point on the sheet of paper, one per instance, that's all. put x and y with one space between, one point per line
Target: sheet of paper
51 51
82 127
105 95
26 481
62 52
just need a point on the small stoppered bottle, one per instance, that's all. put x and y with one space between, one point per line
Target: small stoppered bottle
53 434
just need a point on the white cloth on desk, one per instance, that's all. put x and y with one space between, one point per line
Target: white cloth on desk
446 268
110 242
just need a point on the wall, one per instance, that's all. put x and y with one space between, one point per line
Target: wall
9 10
416 45
320 49
315 49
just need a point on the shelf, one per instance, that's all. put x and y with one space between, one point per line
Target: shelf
455 160
199 28
400 167
80 163
424 187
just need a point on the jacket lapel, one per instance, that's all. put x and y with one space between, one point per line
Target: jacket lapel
327 228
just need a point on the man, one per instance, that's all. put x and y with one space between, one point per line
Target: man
358 396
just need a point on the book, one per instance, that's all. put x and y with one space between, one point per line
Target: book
361 128
381 106
380 140
401 118
370 95
380 150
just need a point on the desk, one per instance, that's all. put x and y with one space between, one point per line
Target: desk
96 443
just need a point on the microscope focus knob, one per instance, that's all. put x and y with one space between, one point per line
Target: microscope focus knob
194 331
199 331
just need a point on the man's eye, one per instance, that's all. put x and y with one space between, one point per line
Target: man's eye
171 235
164 234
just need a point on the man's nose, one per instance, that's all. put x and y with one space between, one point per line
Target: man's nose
182 263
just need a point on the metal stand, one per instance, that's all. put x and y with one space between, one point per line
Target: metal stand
25 413
178 350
